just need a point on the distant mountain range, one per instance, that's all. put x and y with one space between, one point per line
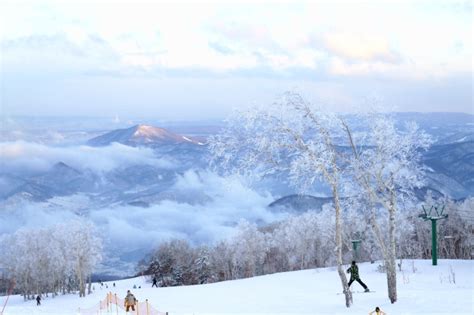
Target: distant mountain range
444 127
300 203
60 180
451 168
140 135
451 172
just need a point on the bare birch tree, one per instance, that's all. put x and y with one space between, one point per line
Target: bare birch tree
290 137
386 168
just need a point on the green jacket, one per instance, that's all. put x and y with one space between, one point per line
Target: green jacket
354 270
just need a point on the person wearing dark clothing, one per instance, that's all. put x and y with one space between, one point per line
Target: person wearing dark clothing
154 283
38 300
354 271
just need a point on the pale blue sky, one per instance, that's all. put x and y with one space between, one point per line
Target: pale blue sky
197 60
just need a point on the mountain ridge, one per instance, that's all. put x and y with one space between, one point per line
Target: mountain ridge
142 135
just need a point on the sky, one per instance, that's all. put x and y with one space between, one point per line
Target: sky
185 60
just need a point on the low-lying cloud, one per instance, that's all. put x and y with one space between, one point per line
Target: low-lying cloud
130 229
199 206
27 156
229 202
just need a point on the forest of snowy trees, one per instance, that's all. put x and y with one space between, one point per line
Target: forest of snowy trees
58 259
301 242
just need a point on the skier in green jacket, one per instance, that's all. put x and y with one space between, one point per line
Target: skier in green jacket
354 271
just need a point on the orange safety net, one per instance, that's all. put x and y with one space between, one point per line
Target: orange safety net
103 307
112 304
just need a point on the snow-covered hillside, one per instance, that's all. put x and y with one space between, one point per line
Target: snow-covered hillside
422 289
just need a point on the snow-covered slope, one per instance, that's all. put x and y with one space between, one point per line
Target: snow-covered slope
422 289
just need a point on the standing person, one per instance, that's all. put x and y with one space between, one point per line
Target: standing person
130 301
154 282
377 311
38 300
354 271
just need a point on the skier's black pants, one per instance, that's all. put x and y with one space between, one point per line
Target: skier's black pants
358 280
154 284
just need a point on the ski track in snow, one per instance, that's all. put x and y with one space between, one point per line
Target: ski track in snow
427 291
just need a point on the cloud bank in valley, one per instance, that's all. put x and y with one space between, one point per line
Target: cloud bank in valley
128 228
200 206
24 156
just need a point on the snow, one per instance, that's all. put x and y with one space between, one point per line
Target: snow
422 289
193 141
148 131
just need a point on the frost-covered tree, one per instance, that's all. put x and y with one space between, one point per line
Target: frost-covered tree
299 239
222 258
276 259
250 249
457 232
386 168
290 137
17 259
53 259
84 248
454 233
172 263
202 266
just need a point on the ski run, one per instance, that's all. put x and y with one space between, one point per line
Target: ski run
422 289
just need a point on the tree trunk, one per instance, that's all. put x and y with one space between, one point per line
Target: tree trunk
391 261
81 286
80 275
391 282
89 287
340 270
26 293
389 254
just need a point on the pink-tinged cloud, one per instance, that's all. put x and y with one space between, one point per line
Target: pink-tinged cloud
358 47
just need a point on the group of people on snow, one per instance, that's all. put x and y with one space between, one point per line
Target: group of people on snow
130 300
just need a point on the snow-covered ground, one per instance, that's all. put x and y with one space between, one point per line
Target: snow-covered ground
422 289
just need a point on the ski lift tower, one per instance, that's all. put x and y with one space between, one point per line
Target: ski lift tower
433 215
355 246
